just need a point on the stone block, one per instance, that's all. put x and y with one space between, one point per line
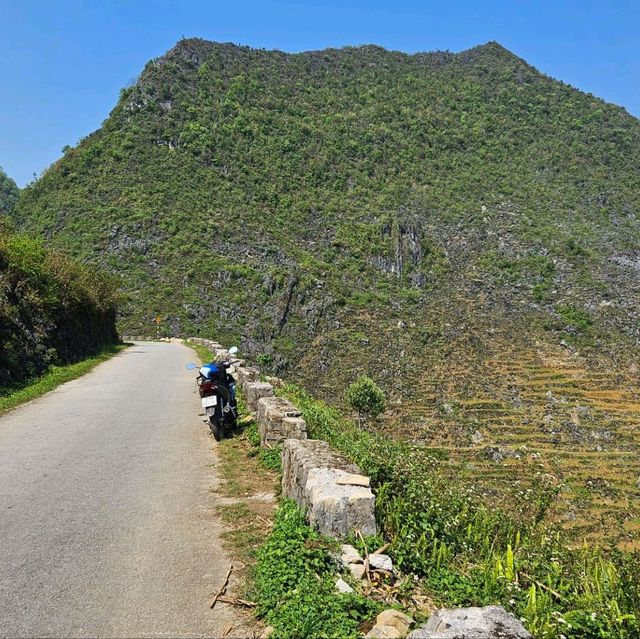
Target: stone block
278 419
395 618
357 570
380 562
310 474
342 586
380 631
349 555
253 391
247 374
490 622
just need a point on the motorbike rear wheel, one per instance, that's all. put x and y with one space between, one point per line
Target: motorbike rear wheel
215 424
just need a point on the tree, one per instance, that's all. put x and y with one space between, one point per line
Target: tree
365 397
8 193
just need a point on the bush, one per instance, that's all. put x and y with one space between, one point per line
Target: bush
366 397
53 310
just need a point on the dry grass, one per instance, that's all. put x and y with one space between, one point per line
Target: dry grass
247 500
549 412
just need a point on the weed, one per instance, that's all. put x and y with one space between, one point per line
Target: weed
294 580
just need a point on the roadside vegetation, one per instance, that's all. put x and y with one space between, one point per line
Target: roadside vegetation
467 552
460 546
13 396
53 311
295 587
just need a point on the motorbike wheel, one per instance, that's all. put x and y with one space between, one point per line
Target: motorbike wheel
215 424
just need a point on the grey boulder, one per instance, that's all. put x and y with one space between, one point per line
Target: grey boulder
490 622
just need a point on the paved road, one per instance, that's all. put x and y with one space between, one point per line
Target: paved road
107 525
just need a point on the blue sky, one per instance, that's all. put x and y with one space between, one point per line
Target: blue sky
63 62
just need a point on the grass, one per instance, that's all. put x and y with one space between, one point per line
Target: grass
203 353
245 531
56 375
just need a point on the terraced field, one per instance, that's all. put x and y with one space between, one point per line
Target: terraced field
533 416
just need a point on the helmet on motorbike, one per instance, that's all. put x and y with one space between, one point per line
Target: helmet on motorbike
208 370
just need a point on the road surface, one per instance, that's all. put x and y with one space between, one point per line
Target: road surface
107 521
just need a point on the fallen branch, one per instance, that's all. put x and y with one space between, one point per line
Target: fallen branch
366 556
222 589
236 601
266 522
381 549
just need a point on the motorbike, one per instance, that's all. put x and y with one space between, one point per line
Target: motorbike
217 389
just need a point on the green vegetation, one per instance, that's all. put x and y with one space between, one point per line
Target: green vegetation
295 583
9 193
469 553
280 197
204 354
270 458
53 311
55 375
366 398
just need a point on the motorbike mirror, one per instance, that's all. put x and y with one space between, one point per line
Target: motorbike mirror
191 366
233 350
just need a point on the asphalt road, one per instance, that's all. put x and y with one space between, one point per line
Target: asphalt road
107 521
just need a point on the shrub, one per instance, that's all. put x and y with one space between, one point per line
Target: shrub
53 310
365 397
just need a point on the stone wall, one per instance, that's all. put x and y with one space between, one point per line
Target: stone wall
336 495
254 391
278 419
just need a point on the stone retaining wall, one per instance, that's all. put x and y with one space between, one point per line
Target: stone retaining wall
336 495
278 419
246 374
253 391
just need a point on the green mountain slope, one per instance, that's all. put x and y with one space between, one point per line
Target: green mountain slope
459 226
8 193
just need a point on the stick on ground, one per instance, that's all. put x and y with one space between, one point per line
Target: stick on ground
236 601
222 589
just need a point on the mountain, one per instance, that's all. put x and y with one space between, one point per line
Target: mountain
460 226
8 193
